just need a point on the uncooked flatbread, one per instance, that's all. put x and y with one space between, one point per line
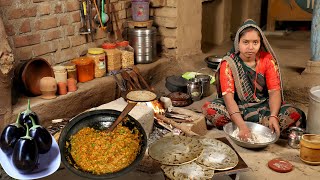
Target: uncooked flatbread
217 155
141 95
175 150
188 171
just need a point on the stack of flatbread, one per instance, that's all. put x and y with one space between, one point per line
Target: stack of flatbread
191 157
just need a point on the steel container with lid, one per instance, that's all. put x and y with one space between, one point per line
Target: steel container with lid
143 41
195 89
205 83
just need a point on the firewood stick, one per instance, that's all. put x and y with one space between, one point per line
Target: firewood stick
176 125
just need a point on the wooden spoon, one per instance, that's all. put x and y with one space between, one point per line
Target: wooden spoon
135 78
136 70
123 114
127 77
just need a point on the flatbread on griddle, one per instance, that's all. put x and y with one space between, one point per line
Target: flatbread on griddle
187 171
141 95
217 155
175 150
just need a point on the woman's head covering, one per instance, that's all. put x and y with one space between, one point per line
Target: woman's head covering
265 46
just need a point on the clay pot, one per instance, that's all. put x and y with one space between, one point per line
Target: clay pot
72 85
32 72
62 88
48 87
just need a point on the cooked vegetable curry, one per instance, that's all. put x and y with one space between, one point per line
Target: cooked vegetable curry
100 152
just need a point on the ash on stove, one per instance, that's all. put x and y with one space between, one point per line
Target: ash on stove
156 134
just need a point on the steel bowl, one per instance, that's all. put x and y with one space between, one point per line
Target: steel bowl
256 129
98 119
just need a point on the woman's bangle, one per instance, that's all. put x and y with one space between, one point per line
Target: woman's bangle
230 114
275 117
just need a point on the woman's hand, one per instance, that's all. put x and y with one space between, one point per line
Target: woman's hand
274 125
244 133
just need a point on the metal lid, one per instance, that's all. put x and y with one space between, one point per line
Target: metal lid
95 51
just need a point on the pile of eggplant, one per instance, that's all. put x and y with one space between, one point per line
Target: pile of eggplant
25 140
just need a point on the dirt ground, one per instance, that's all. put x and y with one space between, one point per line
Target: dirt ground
293 50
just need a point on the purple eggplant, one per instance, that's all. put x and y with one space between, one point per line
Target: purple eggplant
10 135
25 116
41 136
25 154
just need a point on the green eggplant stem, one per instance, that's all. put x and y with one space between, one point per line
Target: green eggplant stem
27 136
28 110
34 125
17 121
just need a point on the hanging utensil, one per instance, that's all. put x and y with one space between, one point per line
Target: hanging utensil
98 13
83 29
90 20
118 32
104 16
109 23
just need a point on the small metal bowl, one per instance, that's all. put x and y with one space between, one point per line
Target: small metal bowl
255 128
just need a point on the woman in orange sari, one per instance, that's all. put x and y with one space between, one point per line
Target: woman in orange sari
249 86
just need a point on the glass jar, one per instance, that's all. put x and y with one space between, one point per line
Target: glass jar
85 68
98 55
71 71
60 73
113 56
127 54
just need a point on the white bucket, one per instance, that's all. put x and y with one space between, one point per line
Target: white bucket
313 120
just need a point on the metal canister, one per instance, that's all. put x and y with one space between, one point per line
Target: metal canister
195 89
143 41
205 83
295 134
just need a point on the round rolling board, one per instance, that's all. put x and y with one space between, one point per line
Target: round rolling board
175 150
217 155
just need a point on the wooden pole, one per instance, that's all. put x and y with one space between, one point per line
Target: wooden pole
6 75
315 32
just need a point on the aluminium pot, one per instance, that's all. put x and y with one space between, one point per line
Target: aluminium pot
101 120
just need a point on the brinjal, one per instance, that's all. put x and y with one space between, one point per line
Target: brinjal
25 154
41 136
25 116
10 135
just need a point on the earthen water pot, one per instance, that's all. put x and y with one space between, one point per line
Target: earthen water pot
33 71
48 87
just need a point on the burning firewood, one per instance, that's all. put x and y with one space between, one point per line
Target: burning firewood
175 124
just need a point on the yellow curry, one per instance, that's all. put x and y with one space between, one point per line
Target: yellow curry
100 152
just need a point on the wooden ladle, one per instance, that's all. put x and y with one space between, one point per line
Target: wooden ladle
136 70
135 78
127 77
123 114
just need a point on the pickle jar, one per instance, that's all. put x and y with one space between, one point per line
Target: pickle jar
113 56
71 71
127 54
85 68
98 56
